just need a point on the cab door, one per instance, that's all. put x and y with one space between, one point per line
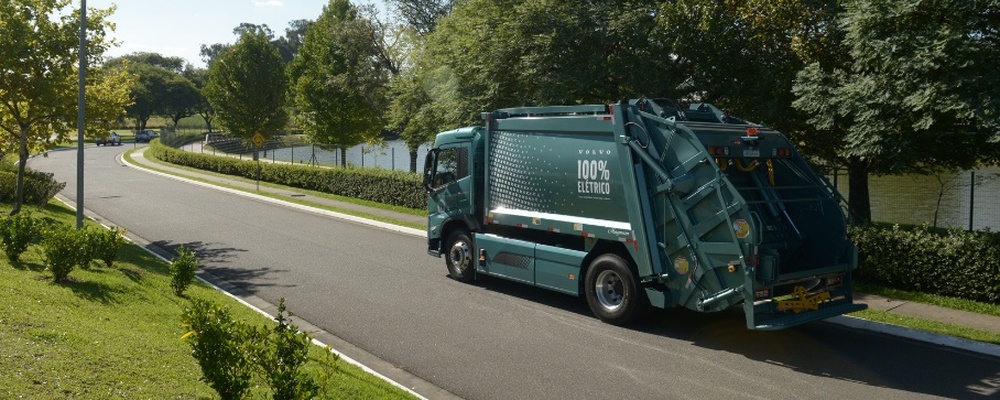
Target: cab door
448 182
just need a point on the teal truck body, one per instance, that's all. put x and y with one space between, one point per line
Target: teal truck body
634 205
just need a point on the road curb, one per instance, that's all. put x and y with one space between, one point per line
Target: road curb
915 334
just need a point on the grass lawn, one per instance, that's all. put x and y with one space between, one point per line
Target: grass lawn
116 333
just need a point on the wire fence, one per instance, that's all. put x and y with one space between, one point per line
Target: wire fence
960 199
390 154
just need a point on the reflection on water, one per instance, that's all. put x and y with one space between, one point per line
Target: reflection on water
913 199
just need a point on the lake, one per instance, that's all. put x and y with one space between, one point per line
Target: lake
913 199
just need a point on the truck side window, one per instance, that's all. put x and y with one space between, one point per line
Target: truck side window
452 165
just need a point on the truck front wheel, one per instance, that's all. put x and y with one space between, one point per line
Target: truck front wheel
611 290
459 256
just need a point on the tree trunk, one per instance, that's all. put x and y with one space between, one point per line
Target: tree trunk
208 123
413 160
343 156
22 156
859 200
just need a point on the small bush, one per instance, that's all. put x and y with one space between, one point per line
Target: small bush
17 233
63 248
952 263
281 360
105 243
223 347
182 270
88 247
39 187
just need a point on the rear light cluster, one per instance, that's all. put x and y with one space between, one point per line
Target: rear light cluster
718 151
781 152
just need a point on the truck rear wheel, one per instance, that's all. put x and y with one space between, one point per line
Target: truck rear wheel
459 256
611 290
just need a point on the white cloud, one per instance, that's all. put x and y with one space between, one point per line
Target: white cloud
268 3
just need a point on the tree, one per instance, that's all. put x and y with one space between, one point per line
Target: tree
38 70
744 55
180 99
422 15
518 52
919 89
210 53
335 79
148 93
107 95
247 87
289 44
173 64
199 76
411 112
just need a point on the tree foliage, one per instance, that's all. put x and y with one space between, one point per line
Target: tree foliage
918 90
181 99
247 87
199 77
38 73
148 92
422 15
512 53
336 78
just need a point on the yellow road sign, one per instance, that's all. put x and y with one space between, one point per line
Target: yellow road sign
258 140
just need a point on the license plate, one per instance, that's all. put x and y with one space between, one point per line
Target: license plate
751 152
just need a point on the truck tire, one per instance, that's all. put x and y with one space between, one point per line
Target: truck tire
611 290
459 257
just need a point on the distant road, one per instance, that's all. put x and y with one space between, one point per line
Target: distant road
494 340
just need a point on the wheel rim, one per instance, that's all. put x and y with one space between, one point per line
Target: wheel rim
459 255
609 290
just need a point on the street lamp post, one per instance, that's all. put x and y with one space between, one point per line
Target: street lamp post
80 101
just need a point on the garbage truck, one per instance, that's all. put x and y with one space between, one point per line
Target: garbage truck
639 204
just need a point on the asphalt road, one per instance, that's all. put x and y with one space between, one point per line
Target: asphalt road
379 291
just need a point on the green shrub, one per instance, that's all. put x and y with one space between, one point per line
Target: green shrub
373 184
223 347
286 350
8 182
103 244
17 233
944 262
63 248
39 187
182 270
88 247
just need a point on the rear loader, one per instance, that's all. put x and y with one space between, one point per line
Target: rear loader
633 205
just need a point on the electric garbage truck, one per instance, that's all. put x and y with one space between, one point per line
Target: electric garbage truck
641 203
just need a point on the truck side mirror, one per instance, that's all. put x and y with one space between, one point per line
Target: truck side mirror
429 169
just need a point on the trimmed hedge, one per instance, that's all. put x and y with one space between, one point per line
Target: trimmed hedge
952 263
373 184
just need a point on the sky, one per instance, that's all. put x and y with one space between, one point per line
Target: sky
178 28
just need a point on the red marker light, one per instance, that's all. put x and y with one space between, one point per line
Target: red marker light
752 131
